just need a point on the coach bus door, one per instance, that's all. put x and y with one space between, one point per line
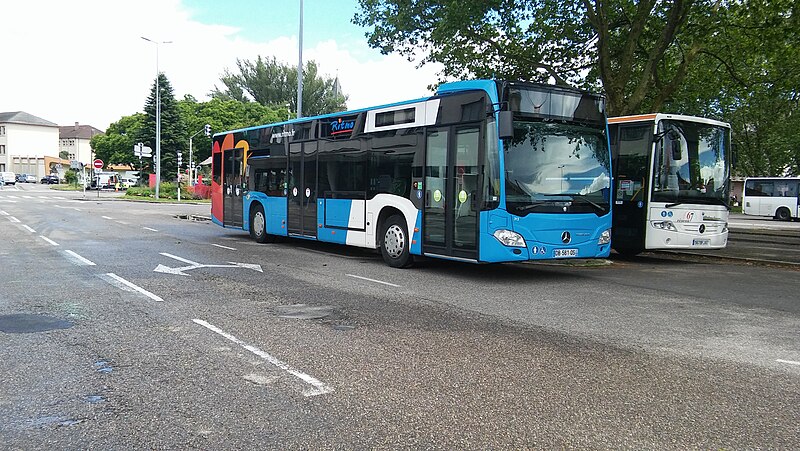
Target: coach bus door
232 188
302 189
452 187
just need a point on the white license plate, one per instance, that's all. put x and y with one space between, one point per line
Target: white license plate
700 242
558 253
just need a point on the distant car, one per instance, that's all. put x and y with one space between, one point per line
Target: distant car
30 178
50 179
8 178
21 178
127 183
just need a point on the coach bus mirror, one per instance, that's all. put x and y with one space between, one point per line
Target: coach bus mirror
505 124
675 145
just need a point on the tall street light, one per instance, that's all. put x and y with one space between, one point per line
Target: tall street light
158 116
300 66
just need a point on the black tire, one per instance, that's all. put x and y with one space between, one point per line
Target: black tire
258 224
783 214
395 242
628 252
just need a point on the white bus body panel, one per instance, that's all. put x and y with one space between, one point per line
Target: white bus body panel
695 226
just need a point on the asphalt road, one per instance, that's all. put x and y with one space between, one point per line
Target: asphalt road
165 332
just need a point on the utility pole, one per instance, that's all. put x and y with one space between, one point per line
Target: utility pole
300 67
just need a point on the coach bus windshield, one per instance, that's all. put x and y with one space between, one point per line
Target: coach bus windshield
691 163
554 167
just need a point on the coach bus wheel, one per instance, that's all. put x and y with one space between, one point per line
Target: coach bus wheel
258 224
783 214
395 243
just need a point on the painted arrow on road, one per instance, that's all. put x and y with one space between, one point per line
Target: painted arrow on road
194 265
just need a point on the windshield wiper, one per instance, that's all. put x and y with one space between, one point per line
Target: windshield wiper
702 200
674 204
536 204
578 197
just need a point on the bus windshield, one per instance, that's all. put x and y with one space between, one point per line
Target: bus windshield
691 163
555 168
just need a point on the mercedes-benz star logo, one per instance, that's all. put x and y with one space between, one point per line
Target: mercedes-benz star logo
565 237
702 228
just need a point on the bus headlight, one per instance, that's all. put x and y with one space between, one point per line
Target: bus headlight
509 238
605 237
664 225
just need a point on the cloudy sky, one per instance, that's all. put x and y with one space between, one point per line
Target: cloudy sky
85 61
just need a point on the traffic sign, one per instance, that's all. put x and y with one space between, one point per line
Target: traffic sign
98 164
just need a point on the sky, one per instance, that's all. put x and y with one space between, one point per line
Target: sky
85 60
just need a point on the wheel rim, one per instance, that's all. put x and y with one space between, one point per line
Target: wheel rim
258 223
394 241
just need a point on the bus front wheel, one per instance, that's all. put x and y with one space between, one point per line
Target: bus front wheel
783 214
395 243
258 224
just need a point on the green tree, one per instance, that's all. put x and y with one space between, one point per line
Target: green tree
116 145
270 83
174 137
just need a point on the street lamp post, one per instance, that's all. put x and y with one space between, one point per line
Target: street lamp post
158 115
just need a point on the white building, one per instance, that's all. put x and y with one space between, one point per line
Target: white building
75 141
25 142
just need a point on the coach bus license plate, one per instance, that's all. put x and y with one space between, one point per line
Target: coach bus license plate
700 242
565 253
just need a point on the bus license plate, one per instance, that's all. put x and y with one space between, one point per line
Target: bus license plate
700 242
558 253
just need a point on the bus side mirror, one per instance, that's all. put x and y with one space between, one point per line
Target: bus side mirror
676 150
505 124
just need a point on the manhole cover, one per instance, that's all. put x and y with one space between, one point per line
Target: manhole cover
22 323
304 311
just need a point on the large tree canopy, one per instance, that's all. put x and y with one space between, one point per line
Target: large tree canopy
724 59
174 136
273 84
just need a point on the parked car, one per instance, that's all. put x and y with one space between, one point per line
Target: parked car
30 178
50 179
8 178
21 177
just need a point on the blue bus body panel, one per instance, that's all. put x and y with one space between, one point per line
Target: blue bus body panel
416 237
275 210
334 215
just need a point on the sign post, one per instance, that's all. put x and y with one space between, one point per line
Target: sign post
98 165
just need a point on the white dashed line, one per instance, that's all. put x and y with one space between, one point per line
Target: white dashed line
320 388
78 259
28 228
13 219
123 284
123 222
150 229
4 213
373 280
48 240
224 247
790 362
106 217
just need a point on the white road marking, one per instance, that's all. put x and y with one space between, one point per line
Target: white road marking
58 197
106 217
4 213
123 284
790 362
48 240
320 388
180 259
150 229
28 228
13 219
123 222
373 280
13 197
28 197
224 247
78 259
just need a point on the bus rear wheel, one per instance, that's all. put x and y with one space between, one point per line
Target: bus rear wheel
258 224
783 214
395 243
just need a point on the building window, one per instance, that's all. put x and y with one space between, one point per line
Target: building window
2 149
2 130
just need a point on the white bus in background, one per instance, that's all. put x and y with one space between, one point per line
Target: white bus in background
771 196
671 182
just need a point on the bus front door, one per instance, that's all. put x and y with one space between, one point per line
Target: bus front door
302 190
232 187
452 187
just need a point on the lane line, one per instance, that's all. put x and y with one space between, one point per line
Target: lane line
123 222
4 213
28 228
106 217
80 259
49 240
224 247
790 362
150 229
373 280
320 388
121 283
13 219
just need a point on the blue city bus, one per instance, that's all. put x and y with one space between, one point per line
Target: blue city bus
482 171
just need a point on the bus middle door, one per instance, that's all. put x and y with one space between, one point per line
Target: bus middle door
232 187
302 190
